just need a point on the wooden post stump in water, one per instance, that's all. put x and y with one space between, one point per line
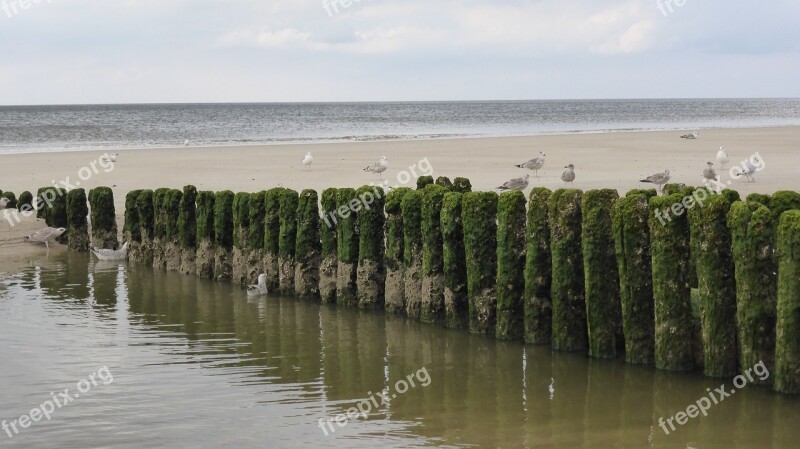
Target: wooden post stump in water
462 185
25 202
511 253
104 218
371 273
569 304
145 214
41 204
603 306
287 241
255 241
347 236
759 198
159 228
329 239
56 211
131 229
538 269
479 215
411 207
172 238
631 224
307 246
424 181
432 310
394 292
223 234
187 228
787 349
753 245
241 238
206 246
272 233
456 303
77 224
669 248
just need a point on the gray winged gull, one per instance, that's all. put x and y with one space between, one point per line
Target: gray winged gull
110 254
308 160
709 172
659 179
4 203
45 235
516 184
378 167
534 164
569 174
722 157
259 289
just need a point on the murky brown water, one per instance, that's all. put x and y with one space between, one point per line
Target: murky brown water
197 364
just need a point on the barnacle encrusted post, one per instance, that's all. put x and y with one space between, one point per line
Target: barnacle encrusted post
330 250
187 227
371 272
104 218
479 215
77 224
411 207
348 239
432 310
223 233
456 303
538 269
307 246
206 241
286 241
511 252
394 292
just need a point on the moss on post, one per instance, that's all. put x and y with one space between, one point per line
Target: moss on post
669 247
394 293
479 215
56 211
272 232
348 239
171 244
424 181
77 225
411 207
631 228
25 201
159 228
187 227
41 204
307 246
241 238
781 202
445 182
674 189
131 229
787 349
538 269
456 303
371 273
12 200
287 240
462 185
223 234
329 239
204 261
759 198
432 310
511 253
603 305
753 244
569 304
648 193
144 211
256 211
104 218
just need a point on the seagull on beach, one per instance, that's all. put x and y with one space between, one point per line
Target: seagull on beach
4 203
186 143
569 174
691 136
659 179
308 160
259 289
534 164
45 235
110 157
722 157
378 167
709 173
749 169
110 254
515 184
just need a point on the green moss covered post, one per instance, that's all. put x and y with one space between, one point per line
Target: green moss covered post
603 305
759 198
131 229
206 241
41 203
347 237
456 303
479 215
411 207
25 201
787 349
445 182
159 228
424 181
144 210
631 222
172 238
511 252
223 233
77 225
394 291
371 272
287 240
569 304
432 310
330 250
55 207
753 238
669 247
12 200
307 246
462 185
104 218
255 241
187 227
241 238
272 232
781 202
538 269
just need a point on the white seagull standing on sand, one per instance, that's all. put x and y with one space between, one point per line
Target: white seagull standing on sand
722 157
749 170
308 160
534 164
45 235
691 136
110 157
709 172
4 203
569 174
516 184
259 289
378 167
186 143
110 254
659 179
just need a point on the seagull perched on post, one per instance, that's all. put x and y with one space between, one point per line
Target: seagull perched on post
722 157
709 172
111 254
569 174
659 179
378 167
259 289
4 203
308 160
45 235
534 164
516 184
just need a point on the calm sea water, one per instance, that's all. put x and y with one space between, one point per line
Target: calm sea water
196 364
59 128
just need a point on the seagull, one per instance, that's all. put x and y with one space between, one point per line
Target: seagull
659 179
186 143
569 174
260 289
110 157
534 164
749 170
45 235
378 167
722 157
709 172
110 254
308 160
516 184
4 203
692 136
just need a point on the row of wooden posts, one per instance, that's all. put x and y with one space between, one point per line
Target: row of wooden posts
716 288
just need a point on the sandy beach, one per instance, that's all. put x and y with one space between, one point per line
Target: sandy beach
608 160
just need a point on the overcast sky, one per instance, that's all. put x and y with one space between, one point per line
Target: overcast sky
141 51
